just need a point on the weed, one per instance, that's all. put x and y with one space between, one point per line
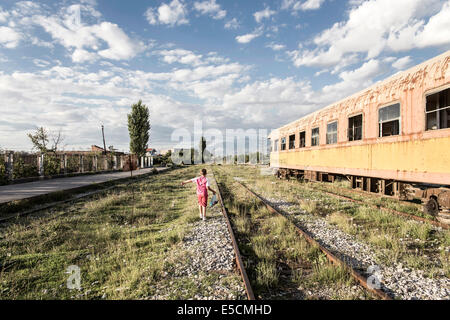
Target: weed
266 273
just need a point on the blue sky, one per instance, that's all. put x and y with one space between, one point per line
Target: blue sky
73 65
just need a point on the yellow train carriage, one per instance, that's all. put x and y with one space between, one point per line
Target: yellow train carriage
389 138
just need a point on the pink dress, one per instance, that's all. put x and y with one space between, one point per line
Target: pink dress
202 190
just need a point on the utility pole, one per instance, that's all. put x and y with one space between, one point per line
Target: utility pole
104 144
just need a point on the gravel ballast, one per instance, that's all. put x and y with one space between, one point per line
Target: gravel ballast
207 250
396 280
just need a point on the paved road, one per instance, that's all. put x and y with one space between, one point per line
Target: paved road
37 188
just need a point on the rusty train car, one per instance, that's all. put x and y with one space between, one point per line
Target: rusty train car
392 138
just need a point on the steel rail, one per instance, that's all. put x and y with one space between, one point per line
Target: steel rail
331 256
239 263
400 213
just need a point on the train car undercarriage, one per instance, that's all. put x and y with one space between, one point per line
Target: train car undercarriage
435 199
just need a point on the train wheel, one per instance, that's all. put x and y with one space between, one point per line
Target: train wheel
432 207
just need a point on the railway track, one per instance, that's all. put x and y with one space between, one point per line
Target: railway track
361 279
334 259
386 209
72 199
239 262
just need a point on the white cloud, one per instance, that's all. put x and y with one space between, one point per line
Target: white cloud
81 55
275 46
9 38
3 15
312 4
402 63
296 5
366 72
120 45
41 43
353 81
171 14
246 38
78 99
232 24
263 14
88 43
206 72
215 59
290 4
270 101
379 25
26 8
211 8
433 33
181 56
41 63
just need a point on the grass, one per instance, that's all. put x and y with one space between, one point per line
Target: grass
309 206
278 260
243 224
343 221
124 243
331 275
267 274
343 187
31 203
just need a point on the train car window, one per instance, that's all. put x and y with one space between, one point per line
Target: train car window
292 141
275 145
438 110
389 120
283 144
302 139
355 128
315 137
332 132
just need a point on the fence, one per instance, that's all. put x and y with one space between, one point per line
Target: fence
17 166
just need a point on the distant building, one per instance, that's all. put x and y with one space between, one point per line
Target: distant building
94 149
150 152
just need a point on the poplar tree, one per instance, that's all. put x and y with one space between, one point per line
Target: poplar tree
138 128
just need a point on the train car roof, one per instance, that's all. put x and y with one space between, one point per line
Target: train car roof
378 83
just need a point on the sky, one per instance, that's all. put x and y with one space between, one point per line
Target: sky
75 65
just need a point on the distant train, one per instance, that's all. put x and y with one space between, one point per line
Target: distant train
392 138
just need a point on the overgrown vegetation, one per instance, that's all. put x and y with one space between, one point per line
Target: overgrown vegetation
344 188
280 263
3 178
125 243
22 169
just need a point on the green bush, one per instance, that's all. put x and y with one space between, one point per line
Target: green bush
88 162
23 170
73 163
3 179
52 165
